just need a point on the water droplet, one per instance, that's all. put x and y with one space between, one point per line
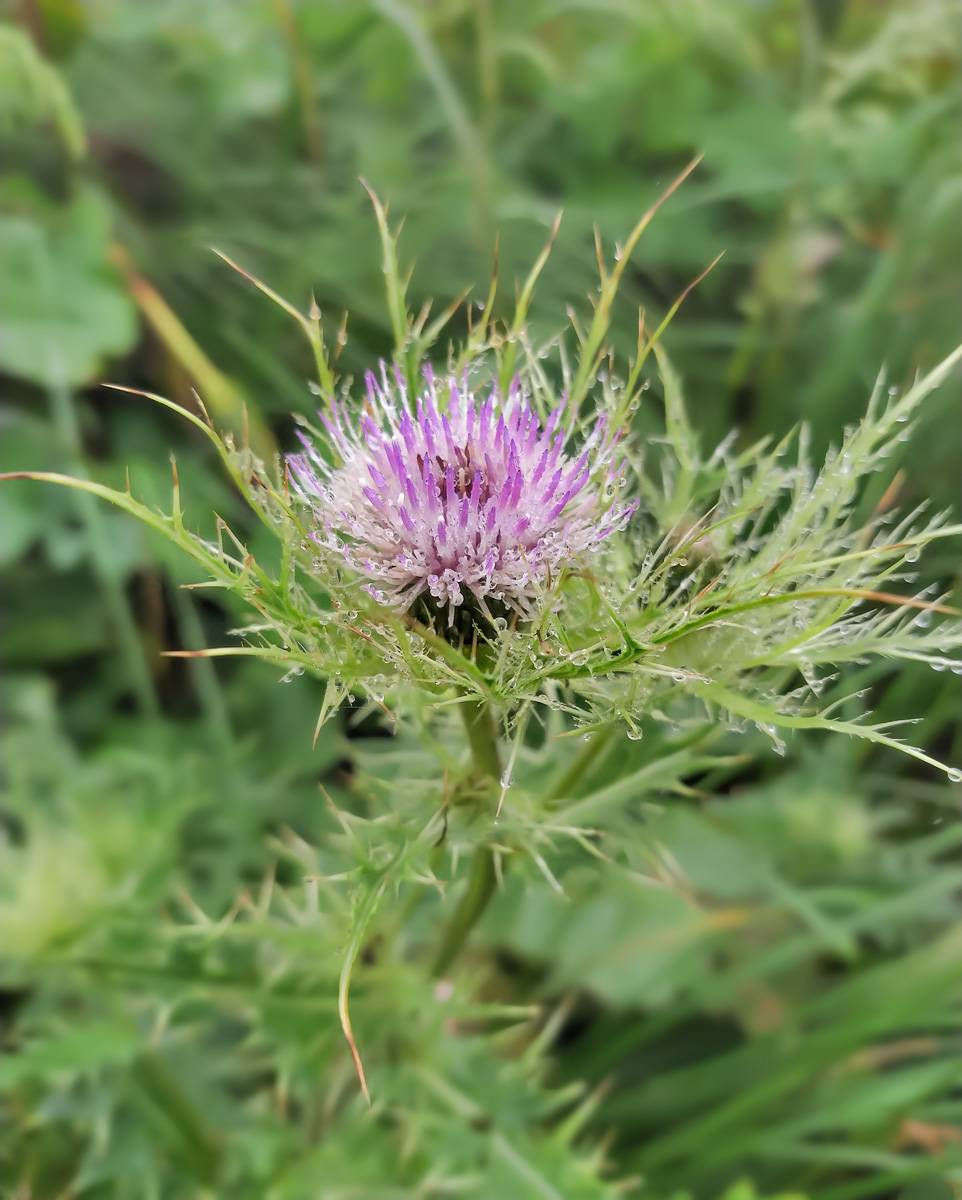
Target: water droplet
954 774
507 779
912 554
634 735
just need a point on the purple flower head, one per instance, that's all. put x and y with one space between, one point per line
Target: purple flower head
469 500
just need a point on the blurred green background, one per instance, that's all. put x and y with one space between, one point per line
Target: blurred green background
803 1035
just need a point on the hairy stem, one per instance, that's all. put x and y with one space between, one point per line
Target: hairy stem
483 739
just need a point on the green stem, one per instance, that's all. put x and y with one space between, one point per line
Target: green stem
483 739
481 885
199 1146
203 673
565 783
115 601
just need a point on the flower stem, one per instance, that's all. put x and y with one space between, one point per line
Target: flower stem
482 737
561 788
483 740
481 886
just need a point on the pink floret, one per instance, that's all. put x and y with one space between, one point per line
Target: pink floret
477 498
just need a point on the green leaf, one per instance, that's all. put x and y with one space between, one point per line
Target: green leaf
82 1049
62 307
32 91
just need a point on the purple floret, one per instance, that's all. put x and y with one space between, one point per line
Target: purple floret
477 498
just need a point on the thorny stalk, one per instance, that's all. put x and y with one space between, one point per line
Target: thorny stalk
482 738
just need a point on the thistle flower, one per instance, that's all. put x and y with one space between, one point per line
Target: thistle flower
474 501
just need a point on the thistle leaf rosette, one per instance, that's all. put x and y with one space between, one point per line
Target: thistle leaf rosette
451 500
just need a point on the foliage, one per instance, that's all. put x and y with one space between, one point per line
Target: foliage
787 578
65 311
705 963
